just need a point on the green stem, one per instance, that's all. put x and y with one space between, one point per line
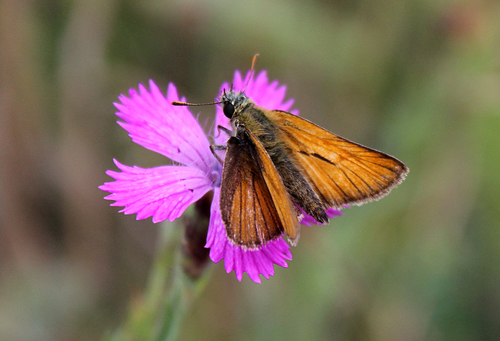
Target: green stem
169 294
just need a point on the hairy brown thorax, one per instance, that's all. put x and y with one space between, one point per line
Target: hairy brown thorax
297 186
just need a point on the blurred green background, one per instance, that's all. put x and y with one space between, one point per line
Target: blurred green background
417 79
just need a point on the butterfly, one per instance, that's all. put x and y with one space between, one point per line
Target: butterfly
278 166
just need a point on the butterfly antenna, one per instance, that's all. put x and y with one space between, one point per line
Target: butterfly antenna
254 59
177 103
186 104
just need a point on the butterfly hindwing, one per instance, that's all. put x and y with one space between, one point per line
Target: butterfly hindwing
254 204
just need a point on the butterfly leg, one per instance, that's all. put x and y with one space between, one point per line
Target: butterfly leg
215 147
224 129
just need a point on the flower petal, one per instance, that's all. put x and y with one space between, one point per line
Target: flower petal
154 123
308 220
253 262
161 192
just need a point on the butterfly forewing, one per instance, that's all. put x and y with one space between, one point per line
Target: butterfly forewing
255 206
340 171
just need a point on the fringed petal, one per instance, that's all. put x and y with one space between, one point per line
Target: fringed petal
161 192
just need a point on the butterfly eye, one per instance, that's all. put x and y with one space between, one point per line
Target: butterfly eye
228 109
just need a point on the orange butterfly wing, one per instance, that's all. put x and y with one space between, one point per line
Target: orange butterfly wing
340 171
254 204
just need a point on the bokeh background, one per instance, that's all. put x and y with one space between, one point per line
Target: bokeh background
418 79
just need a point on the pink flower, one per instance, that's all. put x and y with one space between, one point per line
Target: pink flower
165 192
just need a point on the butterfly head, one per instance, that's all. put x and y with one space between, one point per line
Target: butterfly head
234 102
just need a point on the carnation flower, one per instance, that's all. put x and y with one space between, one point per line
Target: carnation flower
165 192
